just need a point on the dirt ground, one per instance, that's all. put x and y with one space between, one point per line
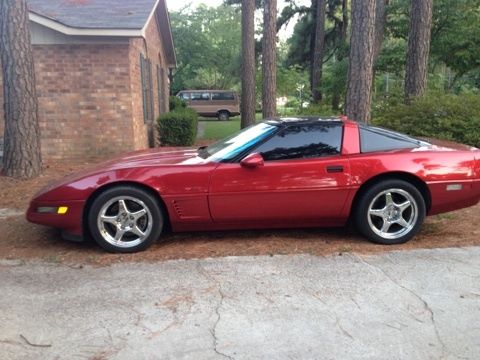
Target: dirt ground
21 240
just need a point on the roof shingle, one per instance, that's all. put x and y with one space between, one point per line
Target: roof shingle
95 14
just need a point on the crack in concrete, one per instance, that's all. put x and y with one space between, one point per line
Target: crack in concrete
426 306
342 329
213 330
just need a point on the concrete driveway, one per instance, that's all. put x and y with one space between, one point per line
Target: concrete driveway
422 304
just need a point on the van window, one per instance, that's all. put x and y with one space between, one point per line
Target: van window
223 96
197 96
184 96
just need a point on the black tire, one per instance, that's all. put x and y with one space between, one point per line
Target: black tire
223 115
129 223
390 220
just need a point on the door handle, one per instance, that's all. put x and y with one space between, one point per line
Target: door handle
334 168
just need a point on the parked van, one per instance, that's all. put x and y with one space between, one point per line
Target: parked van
212 103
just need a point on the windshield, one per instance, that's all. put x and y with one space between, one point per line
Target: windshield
229 148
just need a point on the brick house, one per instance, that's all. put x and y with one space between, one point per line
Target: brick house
102 74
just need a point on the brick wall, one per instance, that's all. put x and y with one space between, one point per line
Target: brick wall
84 100
152 48
90 96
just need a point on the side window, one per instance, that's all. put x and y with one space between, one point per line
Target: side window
303 141
377 139
223 96
184 96
197 96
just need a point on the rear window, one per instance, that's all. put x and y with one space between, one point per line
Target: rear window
377 139
223 96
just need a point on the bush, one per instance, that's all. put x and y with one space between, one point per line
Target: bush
318 110
178 128
176 103
449 117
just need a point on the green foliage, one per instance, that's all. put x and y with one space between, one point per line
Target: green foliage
455 40
456 34
318 110
334 78
449 117
207 43
289 79
299 43
178 128
392 56
176 103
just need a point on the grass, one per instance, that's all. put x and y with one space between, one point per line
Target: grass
216 130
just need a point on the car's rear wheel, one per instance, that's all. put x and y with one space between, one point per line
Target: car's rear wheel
125 219
223 115
390 212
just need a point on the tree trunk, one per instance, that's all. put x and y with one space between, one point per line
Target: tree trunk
248 64
318 50
344 19
269 59
380 21
360 66
343 32
418 48
22 157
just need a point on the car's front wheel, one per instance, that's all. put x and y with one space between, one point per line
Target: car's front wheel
125 219
390 212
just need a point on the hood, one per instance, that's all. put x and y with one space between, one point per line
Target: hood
153 157
142 158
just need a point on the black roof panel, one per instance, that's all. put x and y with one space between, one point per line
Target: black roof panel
302 120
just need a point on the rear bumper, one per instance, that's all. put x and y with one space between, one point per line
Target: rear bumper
71 222
444 200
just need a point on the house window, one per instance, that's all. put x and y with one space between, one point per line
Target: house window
147 88
159 88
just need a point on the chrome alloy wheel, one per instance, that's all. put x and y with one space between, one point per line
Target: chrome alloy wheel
392 213
124 221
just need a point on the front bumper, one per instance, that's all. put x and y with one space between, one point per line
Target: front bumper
70 222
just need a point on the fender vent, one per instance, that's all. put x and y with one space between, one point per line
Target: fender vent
177 208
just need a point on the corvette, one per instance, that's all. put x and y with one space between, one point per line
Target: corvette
280 173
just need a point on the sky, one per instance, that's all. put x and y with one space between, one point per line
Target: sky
285 32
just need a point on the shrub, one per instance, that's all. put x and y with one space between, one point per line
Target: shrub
176 103
318 110
449 117
178 128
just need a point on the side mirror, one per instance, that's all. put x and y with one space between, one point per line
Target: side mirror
252 161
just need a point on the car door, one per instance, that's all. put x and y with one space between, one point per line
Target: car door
304 177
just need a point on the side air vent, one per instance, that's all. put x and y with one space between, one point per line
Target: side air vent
177 208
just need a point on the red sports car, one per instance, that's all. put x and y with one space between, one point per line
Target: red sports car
291 172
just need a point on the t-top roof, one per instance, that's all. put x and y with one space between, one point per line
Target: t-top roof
95 14
303 120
